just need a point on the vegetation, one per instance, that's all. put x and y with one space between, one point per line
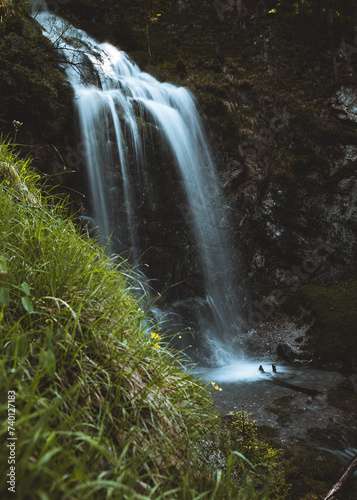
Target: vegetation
103 406
331 338
311 470
266 458
31 83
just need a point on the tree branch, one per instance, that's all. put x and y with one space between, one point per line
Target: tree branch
343 479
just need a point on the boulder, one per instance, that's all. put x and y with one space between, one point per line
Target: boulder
286 352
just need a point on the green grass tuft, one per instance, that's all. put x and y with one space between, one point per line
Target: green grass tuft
104 409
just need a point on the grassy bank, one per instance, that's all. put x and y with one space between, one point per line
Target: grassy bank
103 406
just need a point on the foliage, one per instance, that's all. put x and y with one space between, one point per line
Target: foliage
142 14
269 469
30 79
103 406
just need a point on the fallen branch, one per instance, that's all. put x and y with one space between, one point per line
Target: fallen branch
343 479
293 387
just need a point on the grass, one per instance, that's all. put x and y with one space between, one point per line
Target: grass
103 407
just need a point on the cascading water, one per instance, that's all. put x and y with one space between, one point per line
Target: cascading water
113 98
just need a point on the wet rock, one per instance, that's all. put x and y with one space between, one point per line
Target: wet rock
353 377
295 234
353 380
345 101
335 436
286 352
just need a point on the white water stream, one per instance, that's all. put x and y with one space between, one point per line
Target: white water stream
112 98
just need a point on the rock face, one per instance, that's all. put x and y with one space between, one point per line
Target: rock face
295 210
286 352
345 102
33 92
285 136
300 232
286 142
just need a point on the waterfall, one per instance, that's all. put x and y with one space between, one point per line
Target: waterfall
113 99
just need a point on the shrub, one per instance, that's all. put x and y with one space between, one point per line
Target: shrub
269 471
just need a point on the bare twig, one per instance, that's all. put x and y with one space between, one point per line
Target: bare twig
343 479
59 154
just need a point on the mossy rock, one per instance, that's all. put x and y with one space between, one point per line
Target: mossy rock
312 471
343 396
281 409
32 87
332 338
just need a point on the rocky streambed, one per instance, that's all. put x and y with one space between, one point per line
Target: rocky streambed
310 413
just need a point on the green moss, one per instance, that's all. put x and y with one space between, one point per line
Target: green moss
31 83
281 409
332 337
343 396
312 471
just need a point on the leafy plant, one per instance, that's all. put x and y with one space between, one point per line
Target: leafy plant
269 471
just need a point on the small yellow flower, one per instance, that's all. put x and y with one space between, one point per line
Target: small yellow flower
216 387
180 337
155 336
213 383
220 388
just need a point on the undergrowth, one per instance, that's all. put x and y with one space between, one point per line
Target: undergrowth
266 459
104 409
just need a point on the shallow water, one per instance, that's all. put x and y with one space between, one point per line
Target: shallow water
287 408
292 413
244 370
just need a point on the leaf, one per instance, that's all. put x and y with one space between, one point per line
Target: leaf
19 345
4 297
3 265
26 302
243 458
49 335
48 361
26 289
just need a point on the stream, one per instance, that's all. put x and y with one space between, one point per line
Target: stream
281 400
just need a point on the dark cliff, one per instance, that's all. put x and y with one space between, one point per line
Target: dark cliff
277 87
